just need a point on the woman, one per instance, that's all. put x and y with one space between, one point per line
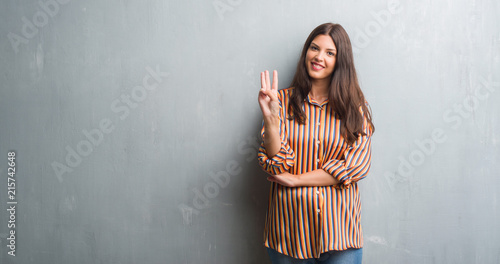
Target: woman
316 146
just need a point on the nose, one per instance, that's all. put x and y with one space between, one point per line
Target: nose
319 56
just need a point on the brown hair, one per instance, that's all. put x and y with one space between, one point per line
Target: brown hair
344 94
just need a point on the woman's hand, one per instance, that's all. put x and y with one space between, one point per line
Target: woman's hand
286 179
268 95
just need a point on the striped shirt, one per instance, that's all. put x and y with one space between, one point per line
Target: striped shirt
303 222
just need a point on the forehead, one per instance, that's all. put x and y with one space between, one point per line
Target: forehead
324 41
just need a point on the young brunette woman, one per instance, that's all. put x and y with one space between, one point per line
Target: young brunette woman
316 146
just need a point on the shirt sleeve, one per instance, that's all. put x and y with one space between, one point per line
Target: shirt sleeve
356 162
284 159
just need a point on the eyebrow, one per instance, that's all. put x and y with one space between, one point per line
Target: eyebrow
312 43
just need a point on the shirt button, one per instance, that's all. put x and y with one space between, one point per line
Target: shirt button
318 210
317 142
318 124
317 191
317 160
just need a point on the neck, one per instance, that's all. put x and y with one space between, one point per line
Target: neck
319 89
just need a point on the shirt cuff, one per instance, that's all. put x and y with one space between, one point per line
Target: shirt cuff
337 169
279 163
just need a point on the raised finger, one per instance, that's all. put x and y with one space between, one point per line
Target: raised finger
262 80
268 82
275 81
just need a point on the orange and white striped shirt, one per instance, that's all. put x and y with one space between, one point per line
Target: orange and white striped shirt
303 222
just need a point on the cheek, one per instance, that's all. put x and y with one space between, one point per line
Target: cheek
308 56
332 63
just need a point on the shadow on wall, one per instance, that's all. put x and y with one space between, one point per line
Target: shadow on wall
242 183
243 165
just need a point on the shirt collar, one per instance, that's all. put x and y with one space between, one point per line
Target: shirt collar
310 100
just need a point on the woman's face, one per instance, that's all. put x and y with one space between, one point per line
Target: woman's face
320 57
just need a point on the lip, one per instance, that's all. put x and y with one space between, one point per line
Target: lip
317 66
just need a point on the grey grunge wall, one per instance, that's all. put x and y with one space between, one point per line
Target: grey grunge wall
129 129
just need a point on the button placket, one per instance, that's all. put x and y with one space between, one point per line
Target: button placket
319 139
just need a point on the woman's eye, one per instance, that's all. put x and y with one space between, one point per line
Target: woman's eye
331 53
313 48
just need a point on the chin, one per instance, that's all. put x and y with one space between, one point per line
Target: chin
316 76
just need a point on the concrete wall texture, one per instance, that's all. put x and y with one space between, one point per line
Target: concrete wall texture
135 127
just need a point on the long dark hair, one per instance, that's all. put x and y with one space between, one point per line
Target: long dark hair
345 95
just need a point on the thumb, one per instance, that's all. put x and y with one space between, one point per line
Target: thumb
271 95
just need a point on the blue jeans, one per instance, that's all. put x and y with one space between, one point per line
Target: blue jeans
348 256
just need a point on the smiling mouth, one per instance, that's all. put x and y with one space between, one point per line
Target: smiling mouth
316 66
